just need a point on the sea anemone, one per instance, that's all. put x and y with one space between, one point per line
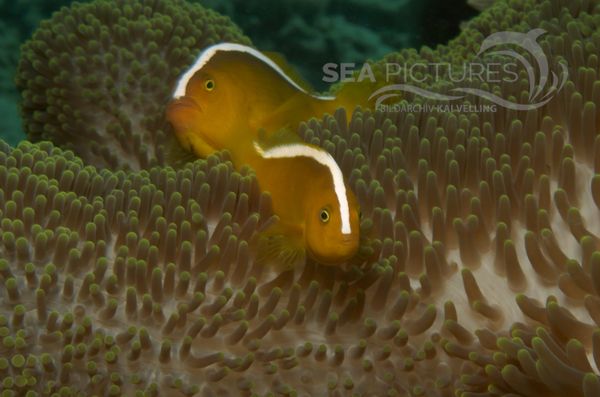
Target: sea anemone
482 275
104 273
96 76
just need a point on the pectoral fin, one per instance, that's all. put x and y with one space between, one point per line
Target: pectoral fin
288 114
199 146
281 247
280 252
282 136
176 155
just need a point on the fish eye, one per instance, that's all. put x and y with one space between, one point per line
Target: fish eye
324 216
209 85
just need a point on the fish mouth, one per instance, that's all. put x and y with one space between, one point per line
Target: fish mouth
185 102
346 251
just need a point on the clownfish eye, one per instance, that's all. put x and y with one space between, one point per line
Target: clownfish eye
209 85
324 216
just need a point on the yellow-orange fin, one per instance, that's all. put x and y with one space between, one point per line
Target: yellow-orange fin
289 70
176 156
280 251
282 136
351 94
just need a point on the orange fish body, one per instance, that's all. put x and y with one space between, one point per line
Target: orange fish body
318 213
233 92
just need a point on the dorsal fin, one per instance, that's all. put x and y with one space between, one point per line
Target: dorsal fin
286 71
282 62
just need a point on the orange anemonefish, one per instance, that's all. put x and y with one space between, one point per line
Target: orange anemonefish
318 213
238 99
233 91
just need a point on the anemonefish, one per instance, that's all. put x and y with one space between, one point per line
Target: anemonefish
238 99
318 213
232 91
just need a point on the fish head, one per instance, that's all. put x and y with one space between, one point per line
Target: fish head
229 90
332 230
201 114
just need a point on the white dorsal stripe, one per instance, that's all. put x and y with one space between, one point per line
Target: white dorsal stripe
209 52
322 157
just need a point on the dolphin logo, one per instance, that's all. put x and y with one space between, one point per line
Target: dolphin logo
540 93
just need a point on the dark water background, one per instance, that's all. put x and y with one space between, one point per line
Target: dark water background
308 33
